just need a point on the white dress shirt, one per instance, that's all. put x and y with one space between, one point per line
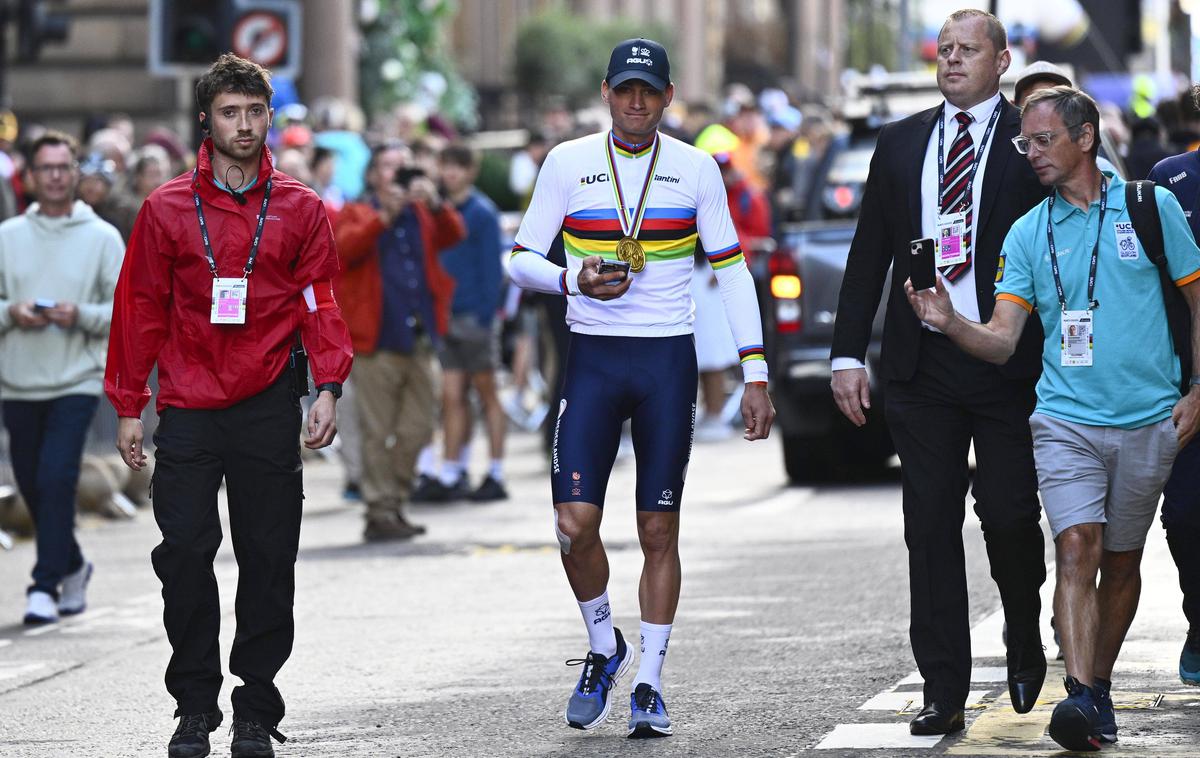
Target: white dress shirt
962 292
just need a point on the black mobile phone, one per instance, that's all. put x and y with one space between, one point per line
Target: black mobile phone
609 267
44 304
920 264
405 175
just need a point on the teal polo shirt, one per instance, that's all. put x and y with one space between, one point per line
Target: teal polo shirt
1134 379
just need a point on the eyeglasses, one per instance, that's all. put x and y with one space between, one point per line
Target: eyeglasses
55 168
1041 140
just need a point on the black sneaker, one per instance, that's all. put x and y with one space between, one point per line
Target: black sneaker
424 490
191 736
489 489
253 740
1075 721
442 493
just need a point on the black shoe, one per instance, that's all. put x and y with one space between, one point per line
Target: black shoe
425 489
442 493
253 740
1026 673
937 719
489 489
191 736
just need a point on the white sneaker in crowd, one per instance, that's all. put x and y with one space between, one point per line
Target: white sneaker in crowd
40 609
72 599
712 429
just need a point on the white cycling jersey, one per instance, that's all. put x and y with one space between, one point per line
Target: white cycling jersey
686 202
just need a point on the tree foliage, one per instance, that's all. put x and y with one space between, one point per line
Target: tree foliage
563 55
873 29
405 58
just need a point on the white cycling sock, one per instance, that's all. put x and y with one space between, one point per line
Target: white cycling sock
598 618
451 472
654 653
427 462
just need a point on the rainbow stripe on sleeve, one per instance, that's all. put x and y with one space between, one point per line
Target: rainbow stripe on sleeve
720 259
520 249
752 353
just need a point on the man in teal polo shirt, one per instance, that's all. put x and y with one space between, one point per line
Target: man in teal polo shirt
1109 419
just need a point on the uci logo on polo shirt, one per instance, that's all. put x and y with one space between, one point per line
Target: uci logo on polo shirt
1127 248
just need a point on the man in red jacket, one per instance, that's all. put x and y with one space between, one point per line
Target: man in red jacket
226 267
397 298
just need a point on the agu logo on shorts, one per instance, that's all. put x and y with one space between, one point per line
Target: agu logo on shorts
667 498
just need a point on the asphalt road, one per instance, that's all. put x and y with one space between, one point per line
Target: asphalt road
791 636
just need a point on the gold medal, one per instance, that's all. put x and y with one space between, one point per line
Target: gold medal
632 252
629 249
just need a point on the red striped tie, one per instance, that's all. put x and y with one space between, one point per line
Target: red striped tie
956 195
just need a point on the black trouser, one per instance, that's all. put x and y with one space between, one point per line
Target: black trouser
950 401
1181 518
254 446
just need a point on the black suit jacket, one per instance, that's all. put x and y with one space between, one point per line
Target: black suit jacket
890 218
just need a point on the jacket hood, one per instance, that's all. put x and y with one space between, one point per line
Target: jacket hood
81 213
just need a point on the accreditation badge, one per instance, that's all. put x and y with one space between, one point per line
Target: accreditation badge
1077 338
228 301
951 239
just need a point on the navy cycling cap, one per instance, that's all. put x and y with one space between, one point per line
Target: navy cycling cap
642 59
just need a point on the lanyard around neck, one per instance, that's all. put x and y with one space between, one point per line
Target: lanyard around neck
1091 286
941 153
208 252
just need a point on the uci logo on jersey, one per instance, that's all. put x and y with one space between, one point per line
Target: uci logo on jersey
601 177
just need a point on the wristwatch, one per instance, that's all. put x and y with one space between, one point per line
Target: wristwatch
333 387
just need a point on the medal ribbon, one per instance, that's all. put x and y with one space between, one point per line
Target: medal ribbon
630 227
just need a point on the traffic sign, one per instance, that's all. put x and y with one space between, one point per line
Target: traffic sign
262 37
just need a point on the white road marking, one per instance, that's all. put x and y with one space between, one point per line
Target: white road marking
871 736
910 701
1146 653
15 670
981 674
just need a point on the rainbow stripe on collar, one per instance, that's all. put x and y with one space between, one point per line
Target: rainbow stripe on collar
632 151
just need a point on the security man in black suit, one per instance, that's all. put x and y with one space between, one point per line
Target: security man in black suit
951 173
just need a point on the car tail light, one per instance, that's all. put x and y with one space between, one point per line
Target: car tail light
786 288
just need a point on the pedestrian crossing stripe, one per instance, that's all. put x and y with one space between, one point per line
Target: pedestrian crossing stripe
994 729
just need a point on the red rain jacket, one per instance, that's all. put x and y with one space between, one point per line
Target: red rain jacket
162 305
360 285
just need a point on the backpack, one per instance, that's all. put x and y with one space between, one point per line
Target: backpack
1143 212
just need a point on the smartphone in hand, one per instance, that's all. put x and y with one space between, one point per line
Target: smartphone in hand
920 264
44 304
609 267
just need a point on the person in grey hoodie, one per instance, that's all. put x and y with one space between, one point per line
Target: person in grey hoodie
59 264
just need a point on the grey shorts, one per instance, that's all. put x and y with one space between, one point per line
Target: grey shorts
1103 475
469 346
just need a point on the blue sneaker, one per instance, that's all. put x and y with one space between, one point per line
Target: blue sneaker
1074 721
648 714
1107 722
590 702
1189 659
